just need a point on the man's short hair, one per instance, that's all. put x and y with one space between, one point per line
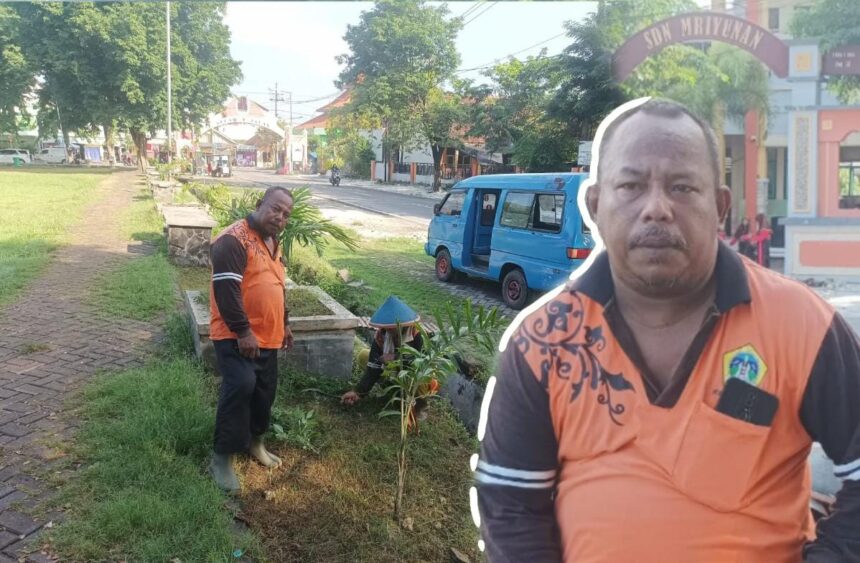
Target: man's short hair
272 190
672 110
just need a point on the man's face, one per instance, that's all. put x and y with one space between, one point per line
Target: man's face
274 213
656 205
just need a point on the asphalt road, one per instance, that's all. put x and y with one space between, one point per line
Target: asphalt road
408 208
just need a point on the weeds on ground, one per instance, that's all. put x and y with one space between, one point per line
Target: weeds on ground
34 348
296 427
336 505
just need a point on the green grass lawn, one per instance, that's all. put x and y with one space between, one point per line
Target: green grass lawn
143 495
396 266
38 208
140 288
141 221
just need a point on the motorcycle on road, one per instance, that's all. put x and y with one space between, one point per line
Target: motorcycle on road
335 177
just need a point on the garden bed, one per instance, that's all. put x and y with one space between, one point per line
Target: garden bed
324 331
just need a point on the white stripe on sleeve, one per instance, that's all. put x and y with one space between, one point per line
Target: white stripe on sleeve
485 479
516 473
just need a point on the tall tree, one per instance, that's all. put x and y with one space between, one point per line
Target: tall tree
104 64
833 23
512 113
402 53
16 73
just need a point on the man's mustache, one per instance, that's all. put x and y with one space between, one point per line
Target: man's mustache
656 237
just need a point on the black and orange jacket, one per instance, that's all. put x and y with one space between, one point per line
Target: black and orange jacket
247 291
584 461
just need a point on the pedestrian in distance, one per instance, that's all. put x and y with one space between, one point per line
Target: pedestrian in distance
249 324
662 405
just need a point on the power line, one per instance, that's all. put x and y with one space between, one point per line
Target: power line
500 59
471 9
479 14
308 101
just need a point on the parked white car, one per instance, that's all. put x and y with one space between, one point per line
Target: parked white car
9 156
51 155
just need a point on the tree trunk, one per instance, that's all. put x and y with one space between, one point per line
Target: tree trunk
139 138
109 134
436 150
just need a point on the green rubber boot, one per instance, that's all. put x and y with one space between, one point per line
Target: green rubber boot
221 469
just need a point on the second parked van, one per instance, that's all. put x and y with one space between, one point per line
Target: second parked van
524 230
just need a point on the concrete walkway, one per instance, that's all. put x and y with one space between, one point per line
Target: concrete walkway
51 342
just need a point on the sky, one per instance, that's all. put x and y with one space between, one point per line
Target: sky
295 43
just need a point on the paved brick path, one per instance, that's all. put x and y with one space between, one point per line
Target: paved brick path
51 341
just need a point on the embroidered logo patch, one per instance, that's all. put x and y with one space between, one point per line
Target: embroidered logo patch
744 363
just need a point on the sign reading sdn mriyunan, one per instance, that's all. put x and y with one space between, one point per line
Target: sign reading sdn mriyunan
699 27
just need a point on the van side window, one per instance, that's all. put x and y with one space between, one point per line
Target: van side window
549 213
453 204
517 210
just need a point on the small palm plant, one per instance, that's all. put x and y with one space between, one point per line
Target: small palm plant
416 373
306 227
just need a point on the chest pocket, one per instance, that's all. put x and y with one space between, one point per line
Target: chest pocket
717 457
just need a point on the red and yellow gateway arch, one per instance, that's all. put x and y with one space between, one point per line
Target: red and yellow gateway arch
714 26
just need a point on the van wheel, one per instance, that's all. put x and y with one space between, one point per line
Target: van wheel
444 269
515 292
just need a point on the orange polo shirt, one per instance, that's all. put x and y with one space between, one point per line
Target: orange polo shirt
584 462
248 281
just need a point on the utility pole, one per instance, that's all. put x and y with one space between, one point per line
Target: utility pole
275 96
60 122
169 98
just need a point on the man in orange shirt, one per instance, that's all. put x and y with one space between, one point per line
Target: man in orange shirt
661 406
249 324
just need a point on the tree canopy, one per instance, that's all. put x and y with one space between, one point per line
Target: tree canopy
402 55
104 64
16 74
833 23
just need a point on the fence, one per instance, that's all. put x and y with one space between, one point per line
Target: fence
402 168
498 169
423 169
457 172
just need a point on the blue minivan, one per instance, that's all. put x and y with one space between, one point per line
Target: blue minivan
524 230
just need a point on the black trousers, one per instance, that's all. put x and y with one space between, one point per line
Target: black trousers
247 394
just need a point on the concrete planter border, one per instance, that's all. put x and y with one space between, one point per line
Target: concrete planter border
323 343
